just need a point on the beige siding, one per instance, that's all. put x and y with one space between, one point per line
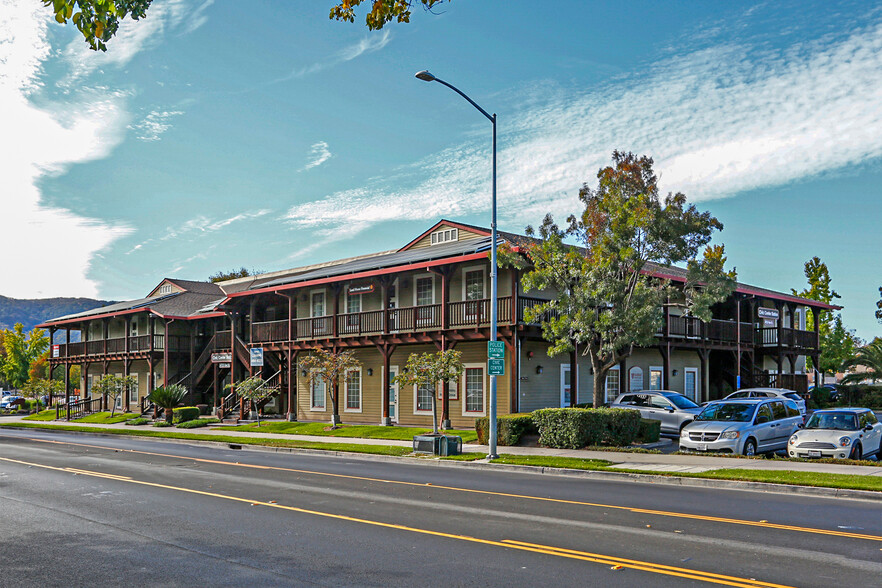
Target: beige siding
464 235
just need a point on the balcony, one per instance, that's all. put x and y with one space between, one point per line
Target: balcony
117 346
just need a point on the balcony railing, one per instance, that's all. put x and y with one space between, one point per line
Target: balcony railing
117 345
768 337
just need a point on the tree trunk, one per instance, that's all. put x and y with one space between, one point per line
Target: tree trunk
599 384
434 413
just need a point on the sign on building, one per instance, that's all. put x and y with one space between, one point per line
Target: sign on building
635 379
767 313
496 367
223 366
361 289
496 349
222 357
256 357
56 350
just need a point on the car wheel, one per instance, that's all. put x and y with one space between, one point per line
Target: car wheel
750 447
856 452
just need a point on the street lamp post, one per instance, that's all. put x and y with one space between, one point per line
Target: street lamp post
428 77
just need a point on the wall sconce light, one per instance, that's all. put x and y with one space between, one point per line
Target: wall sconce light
370 371
529 355
303 373
539 369
673 372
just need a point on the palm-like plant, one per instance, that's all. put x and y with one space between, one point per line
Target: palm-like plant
168 397
870 357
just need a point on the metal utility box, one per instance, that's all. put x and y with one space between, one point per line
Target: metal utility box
443 445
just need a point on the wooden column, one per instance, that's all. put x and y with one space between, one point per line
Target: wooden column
623 378
214 385
780 324
574 375
126 367
165 346
292 383
104 323
335 291
514 296
232 315
291 311
514 379
737 342
66 381
445 272
665 351
193 334
386 351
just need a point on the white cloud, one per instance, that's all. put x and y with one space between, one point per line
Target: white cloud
154 124
718 121
366 45
318 154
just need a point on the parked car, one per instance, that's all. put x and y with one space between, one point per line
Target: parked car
770 393
831 389
671 408
10 401
839 433
746 426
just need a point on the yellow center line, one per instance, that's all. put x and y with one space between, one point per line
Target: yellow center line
663 513
506 543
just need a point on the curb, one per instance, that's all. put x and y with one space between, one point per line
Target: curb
609 476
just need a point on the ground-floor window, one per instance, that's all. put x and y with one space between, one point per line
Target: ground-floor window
473 389
353 390
612 384
424 397
133 391
317 394
655 378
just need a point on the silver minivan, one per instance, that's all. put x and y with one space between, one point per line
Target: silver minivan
745 426
671 408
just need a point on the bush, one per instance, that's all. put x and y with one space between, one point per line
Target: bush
198 423
864 395
161 424
203 408
574 428
184 414
650 430
138 421
509 428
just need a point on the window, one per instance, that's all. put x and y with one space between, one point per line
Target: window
444 236
778 410
165 289
133 391
352 385
473 284
473 383
655 378
612 384
425 291
792 410
764 411
317 395
318 303
424 397
871 419
353 303
659 402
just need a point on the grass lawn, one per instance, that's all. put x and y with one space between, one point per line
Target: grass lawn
466 457
361 431
43 415
104 418
573 463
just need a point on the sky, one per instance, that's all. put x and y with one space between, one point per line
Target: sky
216 134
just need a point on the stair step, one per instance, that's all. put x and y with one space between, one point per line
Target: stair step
231 421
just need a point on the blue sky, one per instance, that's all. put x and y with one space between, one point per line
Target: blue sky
216 134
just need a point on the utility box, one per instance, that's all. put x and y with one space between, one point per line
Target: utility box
443 445
451 445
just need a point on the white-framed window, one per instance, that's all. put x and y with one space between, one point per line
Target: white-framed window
317 395
656 379
165 289
444 236
317 305
353 303
133 327
474 385
133 392
352 390
424 291
611 388
422 398
452 390
473 283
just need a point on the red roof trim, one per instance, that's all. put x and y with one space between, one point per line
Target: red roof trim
360 275
130 311
445 222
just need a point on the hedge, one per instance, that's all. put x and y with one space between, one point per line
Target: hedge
198 423
650 430
184 414
864 395
509 428
574 428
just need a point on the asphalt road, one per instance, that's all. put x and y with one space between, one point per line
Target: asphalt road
84 510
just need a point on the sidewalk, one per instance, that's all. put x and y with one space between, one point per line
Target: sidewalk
631 461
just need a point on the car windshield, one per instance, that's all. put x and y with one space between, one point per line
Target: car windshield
740 413
793 396
681 402
829 420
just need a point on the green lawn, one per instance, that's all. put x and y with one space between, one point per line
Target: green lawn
43 415
361 431
102 418
573 463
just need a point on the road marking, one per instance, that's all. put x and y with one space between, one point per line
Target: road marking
506 543
663 513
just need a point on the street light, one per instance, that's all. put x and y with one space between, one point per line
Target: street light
428 77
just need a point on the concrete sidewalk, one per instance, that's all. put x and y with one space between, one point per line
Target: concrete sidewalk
632 461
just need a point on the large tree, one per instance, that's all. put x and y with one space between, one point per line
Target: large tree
837 342
20 350
609 299
97 20
868 357
879 306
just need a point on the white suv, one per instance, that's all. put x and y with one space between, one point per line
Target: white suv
770 393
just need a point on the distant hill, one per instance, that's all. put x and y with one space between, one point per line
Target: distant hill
33 312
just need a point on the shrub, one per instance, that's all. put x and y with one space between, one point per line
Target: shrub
161 424
184 414
574 428
864 395
198 423
509 428
138 421
650 430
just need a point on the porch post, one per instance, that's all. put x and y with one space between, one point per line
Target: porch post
737 342
514 388
66 380
105 322
665 352
292 379
445 388
165 345
780 356
387 382
574 375
817 354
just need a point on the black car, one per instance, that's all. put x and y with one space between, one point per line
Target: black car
831 389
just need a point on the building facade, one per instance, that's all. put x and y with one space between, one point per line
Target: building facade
432 294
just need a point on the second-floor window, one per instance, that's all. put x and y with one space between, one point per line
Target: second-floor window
318 304
474 284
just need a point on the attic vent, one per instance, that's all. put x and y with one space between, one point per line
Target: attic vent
165 289
444 236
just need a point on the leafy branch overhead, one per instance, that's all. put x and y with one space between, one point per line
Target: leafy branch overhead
382 11
97 20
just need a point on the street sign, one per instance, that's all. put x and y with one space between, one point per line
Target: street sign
496 367
55 350
223 357
496 349
223 366
767 313
257 357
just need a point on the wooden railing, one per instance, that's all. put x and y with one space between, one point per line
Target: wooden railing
768 337
269 331
525 302
359 323
117 345
796 382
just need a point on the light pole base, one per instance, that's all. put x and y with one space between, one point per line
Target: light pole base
386 422
492 456
445 424
292 417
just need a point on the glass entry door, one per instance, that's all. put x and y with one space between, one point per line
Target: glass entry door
393 394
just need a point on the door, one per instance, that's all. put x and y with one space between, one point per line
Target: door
393 304
565 385
473 290
662 410
764 432
393 394
424 293
690 385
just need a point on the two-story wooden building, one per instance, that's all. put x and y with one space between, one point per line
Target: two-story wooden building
431 294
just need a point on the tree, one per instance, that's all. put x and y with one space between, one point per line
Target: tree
97 20
382 11
113 387
37 388
431 369
20 351
608 302
837 342
167 398
254 390
329 367
242 272
870 358
879 306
